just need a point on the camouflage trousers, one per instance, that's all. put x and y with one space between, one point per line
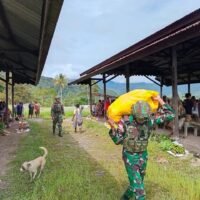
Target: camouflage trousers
57 120
135 164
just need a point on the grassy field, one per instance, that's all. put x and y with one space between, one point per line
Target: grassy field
94 172
45 112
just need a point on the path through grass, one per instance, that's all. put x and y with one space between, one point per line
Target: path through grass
88 166
70 172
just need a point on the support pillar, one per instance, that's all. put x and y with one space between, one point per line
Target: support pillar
161 87
90 91
174 91
104 91
13 94
127 76
189 90
6 112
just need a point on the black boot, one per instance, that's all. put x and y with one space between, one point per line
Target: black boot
124 197
54 129
60 134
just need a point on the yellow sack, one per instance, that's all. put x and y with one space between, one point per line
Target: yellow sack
122 105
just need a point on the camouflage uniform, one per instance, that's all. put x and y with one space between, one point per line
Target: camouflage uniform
57 111
134 138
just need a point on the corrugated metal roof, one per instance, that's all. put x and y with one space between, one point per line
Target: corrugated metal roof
142 57
26 30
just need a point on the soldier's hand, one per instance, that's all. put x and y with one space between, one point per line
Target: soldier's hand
111 123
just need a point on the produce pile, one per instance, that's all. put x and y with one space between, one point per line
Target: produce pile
167 144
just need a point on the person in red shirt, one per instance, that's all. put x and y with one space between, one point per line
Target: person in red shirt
37 109
106 105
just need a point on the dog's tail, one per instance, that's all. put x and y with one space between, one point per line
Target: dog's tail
45 151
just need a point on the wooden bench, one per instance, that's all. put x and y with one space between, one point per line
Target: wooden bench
194 125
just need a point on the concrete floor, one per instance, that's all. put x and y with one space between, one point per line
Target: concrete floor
191 143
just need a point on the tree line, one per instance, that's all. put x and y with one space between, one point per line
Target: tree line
47 89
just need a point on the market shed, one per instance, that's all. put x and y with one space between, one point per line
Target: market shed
171 54
26 31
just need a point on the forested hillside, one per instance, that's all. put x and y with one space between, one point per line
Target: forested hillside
120 88
46 90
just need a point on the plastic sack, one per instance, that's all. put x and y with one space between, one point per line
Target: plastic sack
123 104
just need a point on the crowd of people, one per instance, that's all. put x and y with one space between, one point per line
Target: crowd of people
6 116
99 109
188 110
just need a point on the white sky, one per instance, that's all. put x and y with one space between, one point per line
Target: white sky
90 31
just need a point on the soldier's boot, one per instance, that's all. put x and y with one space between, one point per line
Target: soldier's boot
124 197
54 130
60 132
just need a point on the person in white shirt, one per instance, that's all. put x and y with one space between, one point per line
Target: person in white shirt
77 118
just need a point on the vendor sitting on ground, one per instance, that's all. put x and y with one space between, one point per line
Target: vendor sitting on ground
23 126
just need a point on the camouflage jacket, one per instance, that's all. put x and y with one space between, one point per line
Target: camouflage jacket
134 136
57 109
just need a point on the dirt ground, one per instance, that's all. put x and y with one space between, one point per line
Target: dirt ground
8 145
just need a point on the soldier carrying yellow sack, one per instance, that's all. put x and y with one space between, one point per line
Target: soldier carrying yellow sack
57 112
133 132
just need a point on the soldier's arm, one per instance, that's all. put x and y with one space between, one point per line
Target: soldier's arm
165 113
52 111
116 133
62 108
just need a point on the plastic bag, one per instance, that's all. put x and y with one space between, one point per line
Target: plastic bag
123 104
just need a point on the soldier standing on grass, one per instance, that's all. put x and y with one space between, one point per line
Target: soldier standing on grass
133 133
57 112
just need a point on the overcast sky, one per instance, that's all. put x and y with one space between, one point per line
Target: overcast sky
90 31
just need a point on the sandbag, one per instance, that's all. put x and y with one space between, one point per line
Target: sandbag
123 104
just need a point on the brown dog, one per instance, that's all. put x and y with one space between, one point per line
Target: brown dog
33 165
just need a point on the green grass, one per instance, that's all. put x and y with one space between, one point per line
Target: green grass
70 172
73 173
45 112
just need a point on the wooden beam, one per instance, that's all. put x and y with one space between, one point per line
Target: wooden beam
174 90
111 78
152 80
161 87
95 82
99 79
13 83
127 76
189 83
90 91
7 80
4 80
104 90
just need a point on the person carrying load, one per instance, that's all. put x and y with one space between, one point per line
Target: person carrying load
133 131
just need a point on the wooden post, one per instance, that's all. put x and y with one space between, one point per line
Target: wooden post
174 90
161 87
189 83
6 112
13 94
104 92
90 87
127 76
